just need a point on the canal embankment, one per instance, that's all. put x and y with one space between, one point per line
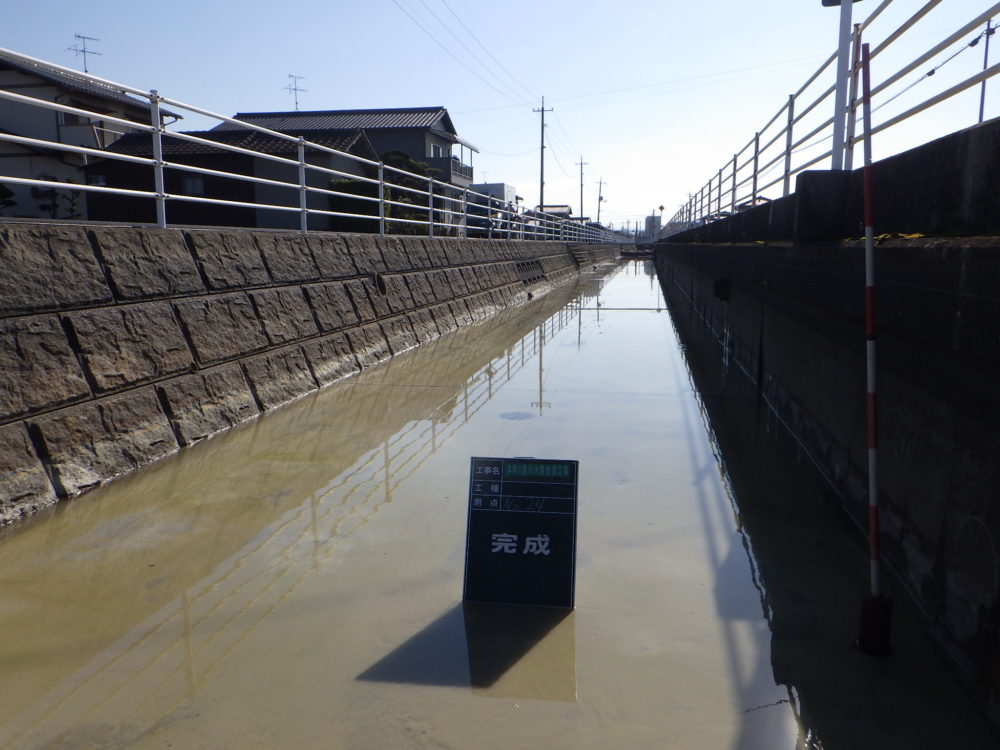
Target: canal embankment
789 320
121 345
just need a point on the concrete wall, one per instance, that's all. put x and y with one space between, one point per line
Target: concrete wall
118 346
791 321
944 188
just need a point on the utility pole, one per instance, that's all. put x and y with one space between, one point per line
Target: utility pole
600 198
541 179
80 48
581 164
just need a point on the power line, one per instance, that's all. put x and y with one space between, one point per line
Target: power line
487 51
457 59
471 54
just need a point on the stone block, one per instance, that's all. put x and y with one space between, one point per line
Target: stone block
423 325
38 369
461 313
395 253
143 263
440 285
287 257
279 376
366 254
203 403
228 260
416 249
121 346
457 282
331 358
46 268
368 344
221 327
437 254
420 289
24 485
444 317
285 314
378 294
95 442
332 255
473 276
358 292
397 294
399 333
331 305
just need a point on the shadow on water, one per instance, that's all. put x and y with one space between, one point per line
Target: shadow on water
500 651
808 565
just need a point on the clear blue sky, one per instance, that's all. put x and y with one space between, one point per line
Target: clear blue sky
655 96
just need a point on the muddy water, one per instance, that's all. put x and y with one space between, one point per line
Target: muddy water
296 583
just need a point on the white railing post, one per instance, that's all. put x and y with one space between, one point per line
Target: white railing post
787 185
718 196
465 213
756 161
852 103
430 206
381 198
840 92
158 181
303 196
732 201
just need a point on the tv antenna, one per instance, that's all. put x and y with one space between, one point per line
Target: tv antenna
293 87
80 48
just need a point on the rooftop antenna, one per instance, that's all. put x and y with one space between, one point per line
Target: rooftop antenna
80 48
294 88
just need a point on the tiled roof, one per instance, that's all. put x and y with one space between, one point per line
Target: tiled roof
341 119
73 82
140 144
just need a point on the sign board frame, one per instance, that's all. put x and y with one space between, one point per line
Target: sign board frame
521 535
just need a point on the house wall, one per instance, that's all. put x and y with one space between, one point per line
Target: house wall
45 124
119 346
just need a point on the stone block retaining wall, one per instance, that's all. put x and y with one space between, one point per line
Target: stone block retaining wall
120 345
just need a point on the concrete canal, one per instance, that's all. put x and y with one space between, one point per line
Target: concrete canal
296 582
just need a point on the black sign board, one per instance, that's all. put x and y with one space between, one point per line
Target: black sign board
521 542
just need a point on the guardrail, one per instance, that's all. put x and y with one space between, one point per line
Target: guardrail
399 201
777 151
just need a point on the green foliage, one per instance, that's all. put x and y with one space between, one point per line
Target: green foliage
51 199
6 198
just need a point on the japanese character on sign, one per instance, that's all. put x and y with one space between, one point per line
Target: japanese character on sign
536 545
506 543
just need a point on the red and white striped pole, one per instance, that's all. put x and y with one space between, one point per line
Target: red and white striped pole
876 611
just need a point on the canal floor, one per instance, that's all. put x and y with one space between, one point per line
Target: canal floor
296 582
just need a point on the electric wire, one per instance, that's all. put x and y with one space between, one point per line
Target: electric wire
493 57
511 92
450 53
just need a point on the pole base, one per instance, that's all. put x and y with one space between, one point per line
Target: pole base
875 625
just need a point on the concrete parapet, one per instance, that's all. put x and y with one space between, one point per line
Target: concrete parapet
793 322
119 345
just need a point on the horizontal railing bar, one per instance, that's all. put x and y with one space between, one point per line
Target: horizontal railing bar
55 145
44 104
75 186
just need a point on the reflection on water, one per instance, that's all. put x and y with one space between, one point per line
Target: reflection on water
297 582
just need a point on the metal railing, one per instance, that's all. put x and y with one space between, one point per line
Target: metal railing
786 144
386 199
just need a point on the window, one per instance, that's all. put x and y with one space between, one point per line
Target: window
193 184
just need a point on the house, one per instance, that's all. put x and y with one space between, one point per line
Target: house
424 134
220 156
427 134
26 77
